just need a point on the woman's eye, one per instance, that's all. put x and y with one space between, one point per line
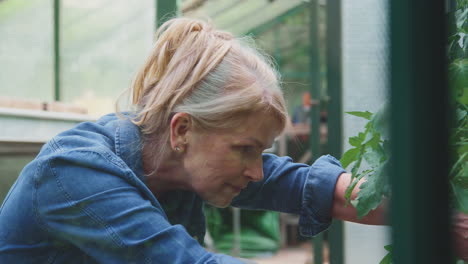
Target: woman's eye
246 149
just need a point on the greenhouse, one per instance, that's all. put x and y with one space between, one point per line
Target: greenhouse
234 131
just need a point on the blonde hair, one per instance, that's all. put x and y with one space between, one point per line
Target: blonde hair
215 78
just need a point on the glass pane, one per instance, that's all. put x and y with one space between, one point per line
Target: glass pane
103 45
26 49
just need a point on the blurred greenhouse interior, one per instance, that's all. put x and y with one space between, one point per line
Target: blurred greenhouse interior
68 61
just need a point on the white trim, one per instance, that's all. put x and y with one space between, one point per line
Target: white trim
38 114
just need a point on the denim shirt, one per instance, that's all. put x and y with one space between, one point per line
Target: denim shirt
83 199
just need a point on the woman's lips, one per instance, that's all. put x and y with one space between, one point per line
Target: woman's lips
237 189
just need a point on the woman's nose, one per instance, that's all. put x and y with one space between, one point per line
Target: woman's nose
254 170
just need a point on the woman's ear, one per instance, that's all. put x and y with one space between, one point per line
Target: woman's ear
180 124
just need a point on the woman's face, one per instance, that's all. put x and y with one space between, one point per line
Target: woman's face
221 164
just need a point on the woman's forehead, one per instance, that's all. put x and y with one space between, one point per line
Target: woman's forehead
259 128
258 121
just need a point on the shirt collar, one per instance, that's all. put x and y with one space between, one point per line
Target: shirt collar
128 146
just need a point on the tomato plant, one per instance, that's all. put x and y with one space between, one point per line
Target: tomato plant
369 155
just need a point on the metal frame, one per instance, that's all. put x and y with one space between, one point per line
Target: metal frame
57 95
335 112
420 130
164 11
268 25
314 136
16 137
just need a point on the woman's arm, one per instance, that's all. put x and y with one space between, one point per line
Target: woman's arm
295 188
347 212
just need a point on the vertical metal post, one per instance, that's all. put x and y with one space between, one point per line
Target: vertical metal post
419 129
165 9
335 136
236 215
318 248
314 136
57 95
315 79
277 51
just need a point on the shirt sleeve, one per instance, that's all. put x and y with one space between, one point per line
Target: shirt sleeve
88 200
297 189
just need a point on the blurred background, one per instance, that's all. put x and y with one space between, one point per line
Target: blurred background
67 61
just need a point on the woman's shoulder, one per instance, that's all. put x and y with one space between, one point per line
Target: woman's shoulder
86 142
90 150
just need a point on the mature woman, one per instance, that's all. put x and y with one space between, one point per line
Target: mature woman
130 188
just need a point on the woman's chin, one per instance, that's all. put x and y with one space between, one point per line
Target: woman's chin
219 204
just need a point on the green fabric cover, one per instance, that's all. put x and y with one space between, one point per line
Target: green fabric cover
259 236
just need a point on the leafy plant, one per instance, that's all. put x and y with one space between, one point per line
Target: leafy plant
388 258
370 146
458 76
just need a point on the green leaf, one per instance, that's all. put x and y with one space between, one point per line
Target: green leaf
462 149
458 77
369 146
357 165
381 120
375 156
349 156
353 184
389 248
461 114
351 187
461 16
462 40
367 115
363 135
355 141
459 163
374 141
388 258
372 191
463 99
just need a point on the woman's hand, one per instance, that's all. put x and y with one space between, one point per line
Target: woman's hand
377 216
347 212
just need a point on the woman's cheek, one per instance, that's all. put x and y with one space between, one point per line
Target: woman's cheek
230 159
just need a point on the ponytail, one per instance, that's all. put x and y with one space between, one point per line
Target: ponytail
183 54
